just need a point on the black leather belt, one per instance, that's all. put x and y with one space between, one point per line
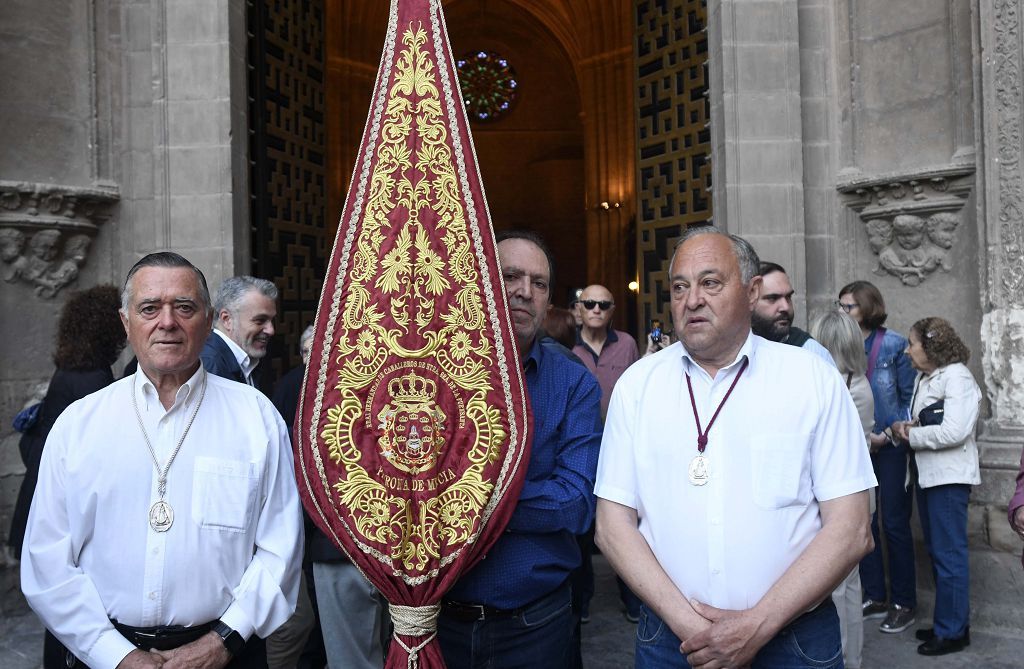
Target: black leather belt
162 638
472 612
467 612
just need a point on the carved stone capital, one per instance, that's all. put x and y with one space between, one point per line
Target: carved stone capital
911 219
38 221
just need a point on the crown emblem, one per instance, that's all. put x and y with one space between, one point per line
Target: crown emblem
412 389
411 425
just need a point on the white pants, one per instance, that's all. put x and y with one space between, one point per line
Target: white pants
354 616
847 598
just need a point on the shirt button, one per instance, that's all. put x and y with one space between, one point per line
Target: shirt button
152 595
156 551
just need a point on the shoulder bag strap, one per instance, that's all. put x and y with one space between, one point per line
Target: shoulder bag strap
876 345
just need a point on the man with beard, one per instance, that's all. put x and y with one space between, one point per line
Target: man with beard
244 312
773 313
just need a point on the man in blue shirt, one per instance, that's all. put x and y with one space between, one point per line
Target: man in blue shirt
513 608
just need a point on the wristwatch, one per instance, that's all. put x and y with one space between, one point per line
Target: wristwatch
233 641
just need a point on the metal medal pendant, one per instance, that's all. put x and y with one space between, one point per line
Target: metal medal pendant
161 516
698 471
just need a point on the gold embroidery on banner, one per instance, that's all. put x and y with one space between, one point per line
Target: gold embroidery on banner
415 286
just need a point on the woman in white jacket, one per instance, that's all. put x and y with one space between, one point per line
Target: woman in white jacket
944 410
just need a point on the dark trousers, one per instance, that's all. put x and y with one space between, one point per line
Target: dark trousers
895 504
57 656
943 512
812 641
539 636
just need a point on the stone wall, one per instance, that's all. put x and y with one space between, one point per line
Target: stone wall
124 132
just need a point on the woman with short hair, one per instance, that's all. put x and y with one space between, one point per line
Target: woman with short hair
945 412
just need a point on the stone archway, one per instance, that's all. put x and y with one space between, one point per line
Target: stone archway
561 154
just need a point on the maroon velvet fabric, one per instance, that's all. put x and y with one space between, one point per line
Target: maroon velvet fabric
412 433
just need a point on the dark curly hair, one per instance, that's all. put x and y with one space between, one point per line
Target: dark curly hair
89 332
940 342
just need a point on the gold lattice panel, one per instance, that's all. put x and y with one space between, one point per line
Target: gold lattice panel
290 245
673 139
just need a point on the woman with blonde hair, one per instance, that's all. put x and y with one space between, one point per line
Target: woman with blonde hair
841 336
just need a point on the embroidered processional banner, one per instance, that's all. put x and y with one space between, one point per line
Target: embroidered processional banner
413 431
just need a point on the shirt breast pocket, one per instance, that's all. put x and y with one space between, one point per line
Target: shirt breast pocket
224 493
781 470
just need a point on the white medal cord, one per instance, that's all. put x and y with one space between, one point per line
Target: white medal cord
162 471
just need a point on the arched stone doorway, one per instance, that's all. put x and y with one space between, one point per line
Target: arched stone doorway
562 161
566 146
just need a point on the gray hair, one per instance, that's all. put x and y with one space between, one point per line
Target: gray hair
307 334
234 288
746 256
840 334
167 259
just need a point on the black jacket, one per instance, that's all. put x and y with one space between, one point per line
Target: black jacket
218 359
66 387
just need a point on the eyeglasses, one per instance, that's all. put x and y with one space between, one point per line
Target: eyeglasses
847 307
604 304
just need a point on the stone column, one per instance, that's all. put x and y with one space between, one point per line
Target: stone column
756 127
185 133
1001 213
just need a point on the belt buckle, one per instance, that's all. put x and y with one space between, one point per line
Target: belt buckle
480 610
147 635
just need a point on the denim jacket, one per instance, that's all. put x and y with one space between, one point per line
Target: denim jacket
892 384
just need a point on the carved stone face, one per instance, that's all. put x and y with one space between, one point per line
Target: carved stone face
942 229
12 243
77 248
44 244
909 231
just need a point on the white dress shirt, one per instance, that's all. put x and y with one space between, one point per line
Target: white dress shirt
233 551
787 437
247 364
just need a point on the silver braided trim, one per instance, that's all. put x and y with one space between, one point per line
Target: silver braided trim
415 621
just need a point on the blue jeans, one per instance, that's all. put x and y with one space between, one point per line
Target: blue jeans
895 503
812 641
943 512
538 637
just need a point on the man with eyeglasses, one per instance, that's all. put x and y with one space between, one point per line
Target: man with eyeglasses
605 351
773 313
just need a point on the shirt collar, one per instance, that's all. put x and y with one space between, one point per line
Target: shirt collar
748 351
244 361
612 336
145 391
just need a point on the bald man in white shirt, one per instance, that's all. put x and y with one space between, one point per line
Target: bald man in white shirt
165 529
732 482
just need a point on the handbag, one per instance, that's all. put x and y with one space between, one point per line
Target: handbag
27 418
932 414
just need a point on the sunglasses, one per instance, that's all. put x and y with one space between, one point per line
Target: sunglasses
604 304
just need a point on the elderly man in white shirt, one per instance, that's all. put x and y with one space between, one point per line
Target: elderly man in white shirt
165 528
732 480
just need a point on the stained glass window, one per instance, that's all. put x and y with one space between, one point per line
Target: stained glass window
489 85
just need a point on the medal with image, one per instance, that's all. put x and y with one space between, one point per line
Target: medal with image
699 471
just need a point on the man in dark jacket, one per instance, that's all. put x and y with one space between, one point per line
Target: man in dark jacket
244 312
